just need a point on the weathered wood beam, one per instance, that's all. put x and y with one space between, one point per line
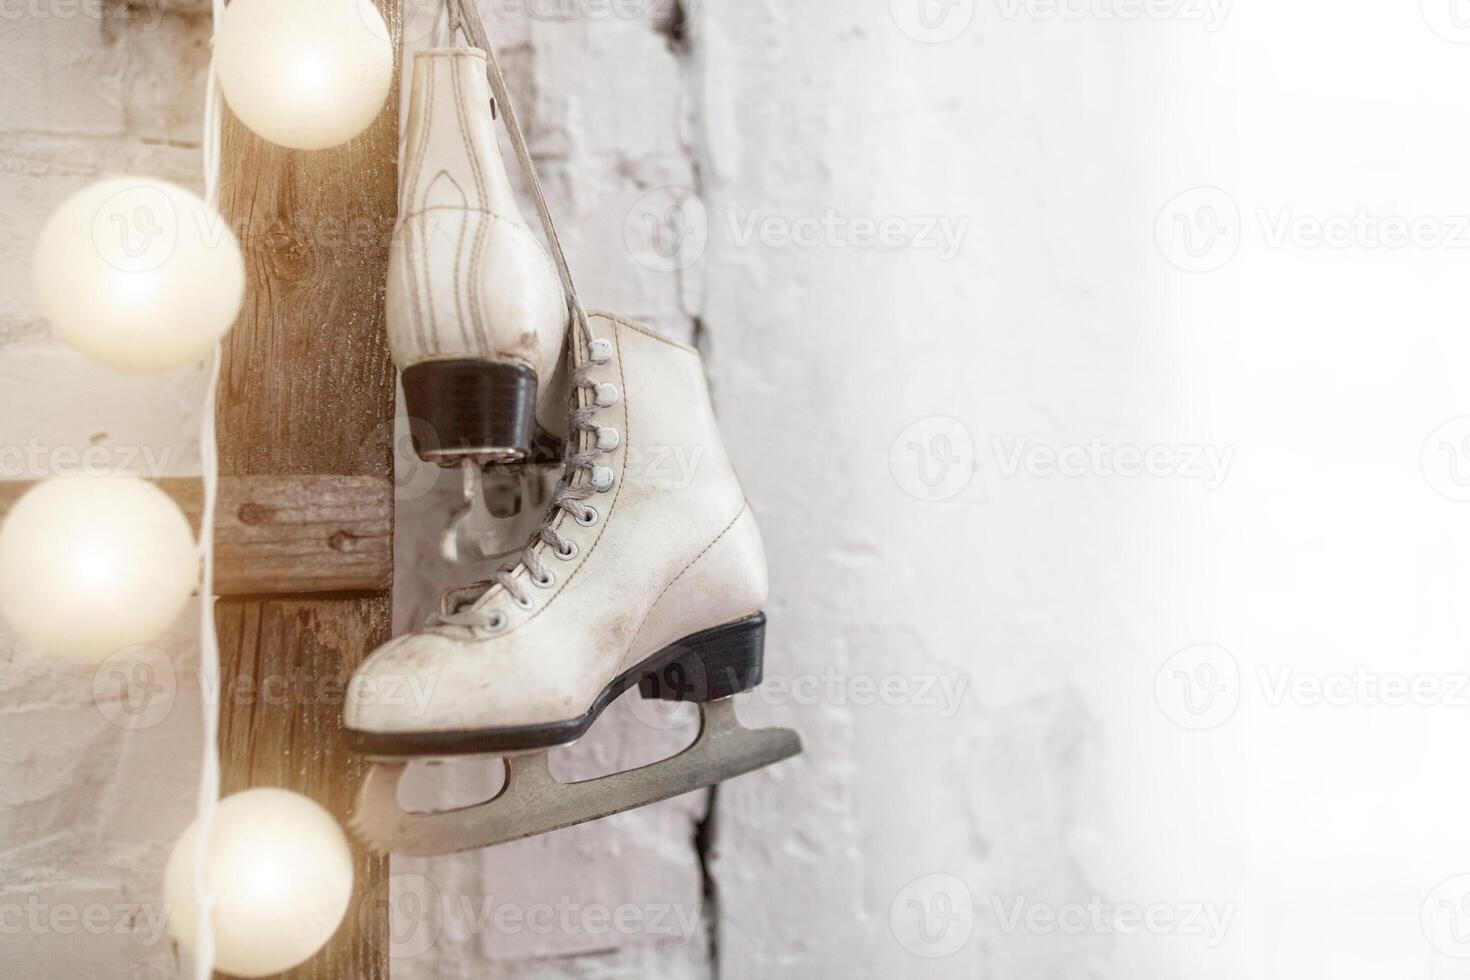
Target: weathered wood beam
307 389
292 535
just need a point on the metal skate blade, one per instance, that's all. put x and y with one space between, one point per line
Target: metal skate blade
472 489
532 801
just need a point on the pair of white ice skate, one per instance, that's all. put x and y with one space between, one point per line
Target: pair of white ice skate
630 582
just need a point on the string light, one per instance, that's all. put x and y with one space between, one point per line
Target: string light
90 565
280 871
143 276
305 74
138 274
259 882
207 802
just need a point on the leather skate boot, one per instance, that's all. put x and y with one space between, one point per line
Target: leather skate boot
648 571
652 544
476 312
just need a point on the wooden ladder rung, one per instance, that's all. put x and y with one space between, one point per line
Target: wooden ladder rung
288 535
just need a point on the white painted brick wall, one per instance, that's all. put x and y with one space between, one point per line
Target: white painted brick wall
90 798
1045 771
764 109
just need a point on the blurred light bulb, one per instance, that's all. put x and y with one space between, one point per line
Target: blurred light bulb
90 565
281 873
138 274
305 74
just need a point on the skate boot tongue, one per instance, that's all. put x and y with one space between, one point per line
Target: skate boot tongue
467 608
461 610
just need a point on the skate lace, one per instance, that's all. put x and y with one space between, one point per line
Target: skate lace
471 607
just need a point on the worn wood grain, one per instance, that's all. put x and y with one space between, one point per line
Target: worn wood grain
294 535
288 666
304 535
307 388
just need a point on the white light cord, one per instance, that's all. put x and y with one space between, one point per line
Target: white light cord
209 683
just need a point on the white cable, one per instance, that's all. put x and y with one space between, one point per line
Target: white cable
209 683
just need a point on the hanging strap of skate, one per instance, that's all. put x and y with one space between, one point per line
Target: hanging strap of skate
465 17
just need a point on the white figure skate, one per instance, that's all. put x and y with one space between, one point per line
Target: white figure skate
638 577
476 313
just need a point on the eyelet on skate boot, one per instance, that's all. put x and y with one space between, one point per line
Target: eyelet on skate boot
607 394
569 553
494 624
602 479
600 351
524 602
608 439
544 583
591 517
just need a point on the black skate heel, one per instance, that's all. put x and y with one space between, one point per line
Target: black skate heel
473 408
717 663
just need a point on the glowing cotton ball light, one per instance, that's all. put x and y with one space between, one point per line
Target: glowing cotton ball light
138 274
281 873
305 74
90 565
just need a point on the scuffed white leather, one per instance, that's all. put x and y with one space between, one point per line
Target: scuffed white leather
675 550
466 276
